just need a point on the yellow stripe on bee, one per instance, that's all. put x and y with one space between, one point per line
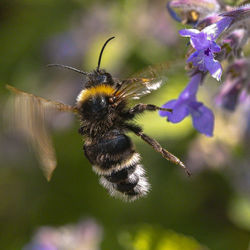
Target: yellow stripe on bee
97 90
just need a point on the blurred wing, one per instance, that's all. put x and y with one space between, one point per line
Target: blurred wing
28 117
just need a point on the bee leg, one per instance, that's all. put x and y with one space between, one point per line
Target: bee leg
157 147
141 107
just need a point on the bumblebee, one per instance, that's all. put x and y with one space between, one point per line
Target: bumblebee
105 118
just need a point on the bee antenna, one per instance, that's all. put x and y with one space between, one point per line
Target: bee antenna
100 56
68 67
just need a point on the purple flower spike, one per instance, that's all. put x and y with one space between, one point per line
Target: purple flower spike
205 45
186 104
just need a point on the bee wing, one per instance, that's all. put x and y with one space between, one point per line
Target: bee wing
134 88
145 81
28 117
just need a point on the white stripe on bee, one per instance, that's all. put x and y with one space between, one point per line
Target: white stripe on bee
141 188
134 159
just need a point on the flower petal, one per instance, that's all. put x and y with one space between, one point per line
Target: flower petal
214 30
215 47
203 119
188 32
178 114
222 25
198 61
189 93
200 41
193 56
168 105
180 111
214 67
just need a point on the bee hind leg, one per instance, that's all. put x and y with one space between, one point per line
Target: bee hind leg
157 147
141 107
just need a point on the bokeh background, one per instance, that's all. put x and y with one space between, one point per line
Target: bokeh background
210 210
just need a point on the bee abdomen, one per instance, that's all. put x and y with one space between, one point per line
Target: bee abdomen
112 152
128 184
115 160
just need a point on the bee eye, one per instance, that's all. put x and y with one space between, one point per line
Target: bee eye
101 78
105 78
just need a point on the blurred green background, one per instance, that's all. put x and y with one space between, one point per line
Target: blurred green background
210 210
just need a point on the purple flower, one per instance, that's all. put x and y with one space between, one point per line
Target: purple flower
83 235
202 117
204 43
229 95
234 89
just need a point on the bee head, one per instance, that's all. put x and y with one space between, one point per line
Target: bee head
99 77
